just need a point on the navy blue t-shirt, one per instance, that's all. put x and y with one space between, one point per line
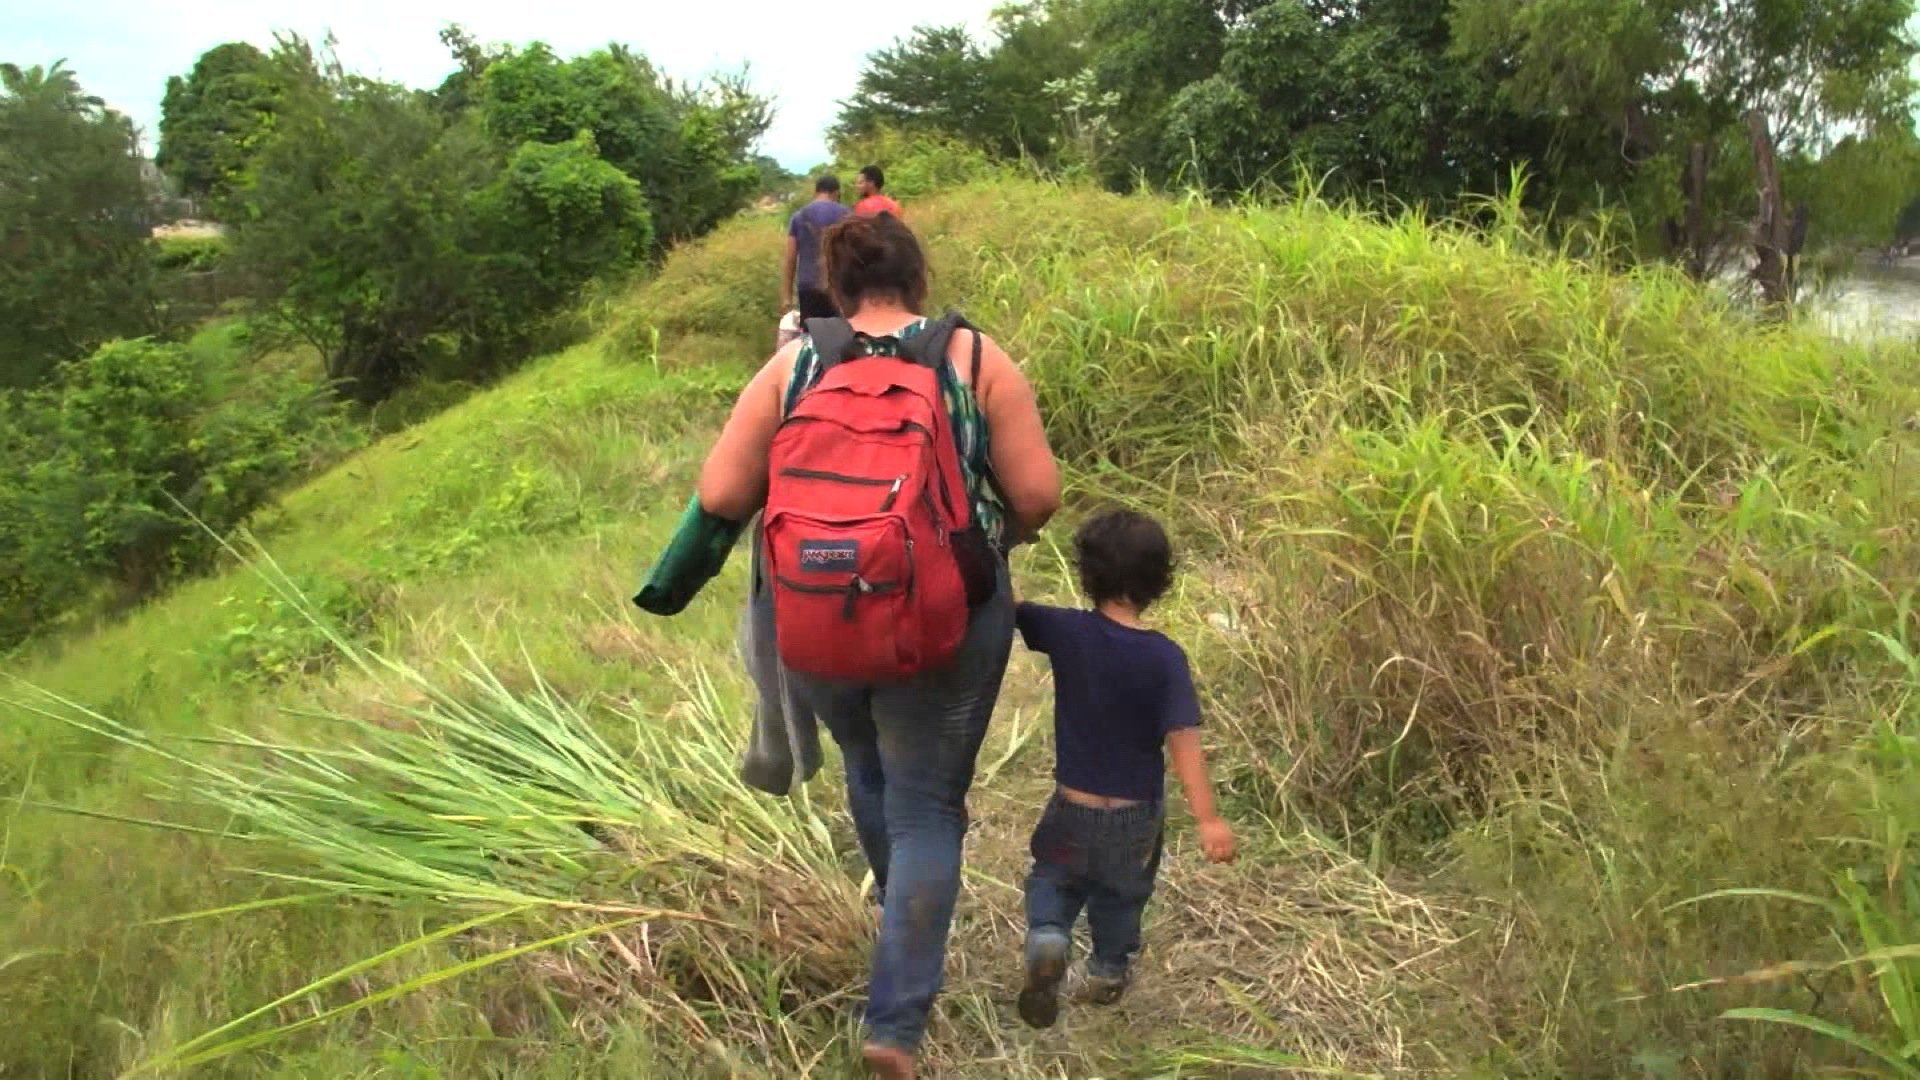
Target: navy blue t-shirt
805 226
1117 692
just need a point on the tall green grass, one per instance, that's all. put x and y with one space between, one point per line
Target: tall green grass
1556 625
1874 903
1499 537
523 822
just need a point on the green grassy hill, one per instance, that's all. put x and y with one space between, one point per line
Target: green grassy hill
1529 603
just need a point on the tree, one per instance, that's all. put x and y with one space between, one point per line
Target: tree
1639 105
1038 43
1858 190
212 121
1086 120
1364 93
357 219
1364 90
774 178
1907 226
709 173
690 148
400 240
1650 101
1149 52
940 81
935 81
74 217
459 91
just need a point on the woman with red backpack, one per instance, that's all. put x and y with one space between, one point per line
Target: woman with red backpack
895 460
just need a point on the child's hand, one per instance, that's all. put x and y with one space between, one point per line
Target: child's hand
1216 839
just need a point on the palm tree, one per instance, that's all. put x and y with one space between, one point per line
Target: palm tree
56 85
73 222
57 89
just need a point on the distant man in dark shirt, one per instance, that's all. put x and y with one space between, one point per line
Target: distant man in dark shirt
800 279
870 184
1120 693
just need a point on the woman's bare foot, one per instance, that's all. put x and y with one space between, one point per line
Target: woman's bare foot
888 1063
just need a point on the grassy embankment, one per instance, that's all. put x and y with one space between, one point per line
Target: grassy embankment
1530 603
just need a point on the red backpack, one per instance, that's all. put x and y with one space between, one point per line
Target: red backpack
871 549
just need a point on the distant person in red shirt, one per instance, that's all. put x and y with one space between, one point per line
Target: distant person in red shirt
872 201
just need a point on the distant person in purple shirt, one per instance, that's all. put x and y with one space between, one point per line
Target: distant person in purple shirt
1120 693
800 280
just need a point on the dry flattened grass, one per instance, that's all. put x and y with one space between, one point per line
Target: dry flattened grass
777 961
1295 947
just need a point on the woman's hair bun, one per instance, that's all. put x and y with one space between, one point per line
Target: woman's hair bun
870 256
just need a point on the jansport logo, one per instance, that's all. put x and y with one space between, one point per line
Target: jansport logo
829 556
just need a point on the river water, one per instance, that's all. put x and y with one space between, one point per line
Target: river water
1874 301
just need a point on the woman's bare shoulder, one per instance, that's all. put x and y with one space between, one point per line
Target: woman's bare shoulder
779 367
993 359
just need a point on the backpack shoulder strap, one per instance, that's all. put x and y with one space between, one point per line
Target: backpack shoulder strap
832 340
928 348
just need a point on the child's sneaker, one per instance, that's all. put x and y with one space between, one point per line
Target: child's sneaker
887 1062
1107 989
1046 965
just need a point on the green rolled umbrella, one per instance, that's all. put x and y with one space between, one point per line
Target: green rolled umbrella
699 549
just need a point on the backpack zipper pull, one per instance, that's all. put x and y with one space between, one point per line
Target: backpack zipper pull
893 493
856 588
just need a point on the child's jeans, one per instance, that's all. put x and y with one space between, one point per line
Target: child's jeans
1102 860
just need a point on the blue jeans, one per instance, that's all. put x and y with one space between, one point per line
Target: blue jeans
909 752
1104 861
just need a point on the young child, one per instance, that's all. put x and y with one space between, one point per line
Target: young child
1121 692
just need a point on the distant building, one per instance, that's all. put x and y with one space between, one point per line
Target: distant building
165 207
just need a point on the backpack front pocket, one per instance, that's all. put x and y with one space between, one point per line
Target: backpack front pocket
841 590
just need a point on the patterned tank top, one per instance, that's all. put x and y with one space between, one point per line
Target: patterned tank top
963 409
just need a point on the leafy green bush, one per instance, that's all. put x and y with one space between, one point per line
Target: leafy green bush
917 163
560 216
108 472
188 253
287 635
690 149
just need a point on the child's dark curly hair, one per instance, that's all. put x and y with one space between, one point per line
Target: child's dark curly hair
1125 556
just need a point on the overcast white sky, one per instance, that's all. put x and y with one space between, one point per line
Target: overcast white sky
805 56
